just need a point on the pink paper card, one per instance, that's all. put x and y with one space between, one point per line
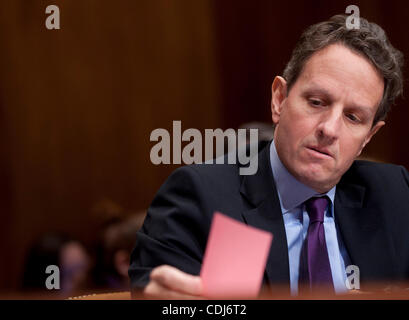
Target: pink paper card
235 259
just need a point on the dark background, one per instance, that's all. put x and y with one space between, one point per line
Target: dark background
77 105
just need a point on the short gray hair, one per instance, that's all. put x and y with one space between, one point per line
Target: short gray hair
369 40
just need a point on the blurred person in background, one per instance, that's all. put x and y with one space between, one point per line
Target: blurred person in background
265 130
68 254
117 243
116 236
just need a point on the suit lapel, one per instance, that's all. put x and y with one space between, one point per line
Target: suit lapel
363 232
259 189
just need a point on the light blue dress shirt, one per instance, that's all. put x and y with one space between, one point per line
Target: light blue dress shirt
292 195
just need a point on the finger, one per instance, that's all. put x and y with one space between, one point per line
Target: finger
177 280
155 290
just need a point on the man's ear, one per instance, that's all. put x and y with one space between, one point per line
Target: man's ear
371 133
278 95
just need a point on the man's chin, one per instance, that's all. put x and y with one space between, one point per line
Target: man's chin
314 175
317 181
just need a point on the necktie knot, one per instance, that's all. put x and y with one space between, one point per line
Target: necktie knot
315 207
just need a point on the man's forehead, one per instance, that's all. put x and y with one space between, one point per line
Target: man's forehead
337 70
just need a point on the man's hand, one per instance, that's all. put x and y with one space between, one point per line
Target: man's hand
167 282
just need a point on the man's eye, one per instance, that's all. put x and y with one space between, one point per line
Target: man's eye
315 102
352 117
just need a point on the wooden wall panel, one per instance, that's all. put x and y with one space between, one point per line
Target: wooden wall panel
80 103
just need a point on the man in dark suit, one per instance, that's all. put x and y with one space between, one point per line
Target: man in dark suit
325 210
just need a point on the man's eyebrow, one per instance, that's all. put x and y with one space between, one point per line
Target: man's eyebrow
314 89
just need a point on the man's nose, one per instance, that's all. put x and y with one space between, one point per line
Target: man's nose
330 125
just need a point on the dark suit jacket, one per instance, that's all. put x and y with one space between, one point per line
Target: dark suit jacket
371 205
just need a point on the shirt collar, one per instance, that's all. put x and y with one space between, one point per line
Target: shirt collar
291 192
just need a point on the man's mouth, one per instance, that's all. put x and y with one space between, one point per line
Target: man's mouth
320 151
